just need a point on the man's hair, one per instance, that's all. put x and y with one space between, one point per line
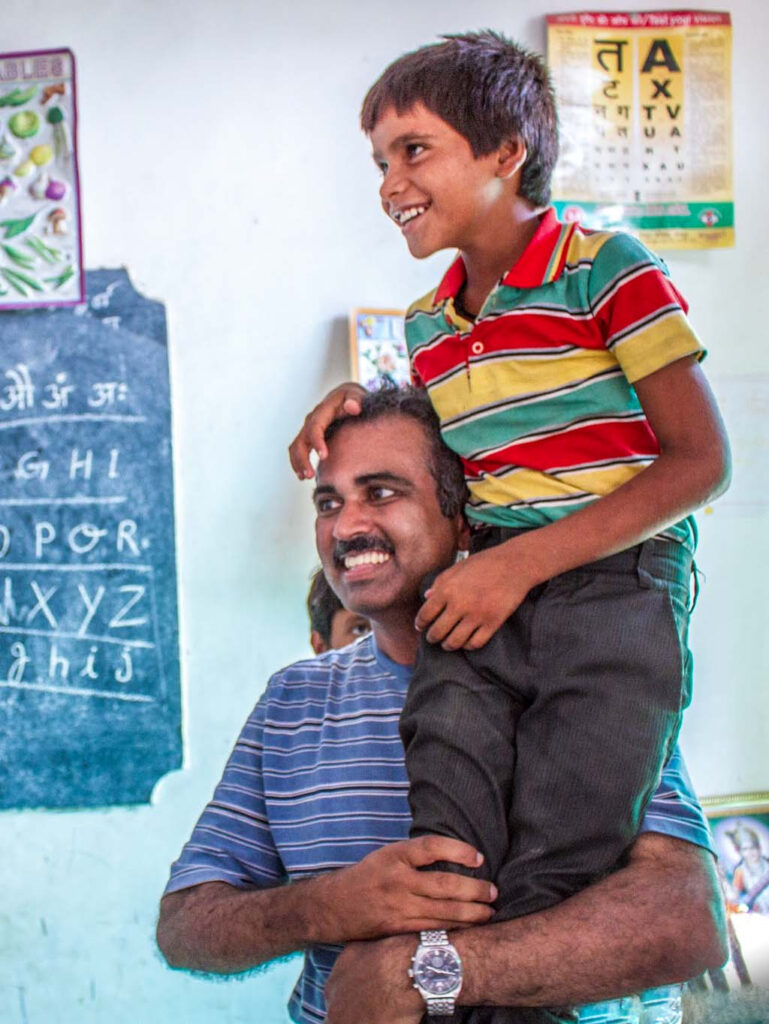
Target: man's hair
444 464
488 88
322 605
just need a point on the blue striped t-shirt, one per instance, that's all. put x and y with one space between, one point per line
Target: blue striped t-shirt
317 781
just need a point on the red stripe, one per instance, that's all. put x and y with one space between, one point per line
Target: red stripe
639 298
592 443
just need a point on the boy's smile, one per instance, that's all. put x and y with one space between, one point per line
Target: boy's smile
434 188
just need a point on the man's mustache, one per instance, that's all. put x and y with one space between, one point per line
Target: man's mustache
363 542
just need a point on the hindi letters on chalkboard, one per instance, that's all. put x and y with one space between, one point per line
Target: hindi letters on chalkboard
89 674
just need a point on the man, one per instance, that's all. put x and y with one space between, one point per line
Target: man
316 782
331 624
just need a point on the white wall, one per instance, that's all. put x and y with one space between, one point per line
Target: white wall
222 164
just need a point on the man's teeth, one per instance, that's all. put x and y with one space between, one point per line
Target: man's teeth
404 216
365 558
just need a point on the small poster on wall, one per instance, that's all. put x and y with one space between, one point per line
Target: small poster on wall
40 237
378 347
646 124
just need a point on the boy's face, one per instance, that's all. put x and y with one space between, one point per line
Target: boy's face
436 191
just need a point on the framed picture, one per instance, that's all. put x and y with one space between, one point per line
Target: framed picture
378 347
740 826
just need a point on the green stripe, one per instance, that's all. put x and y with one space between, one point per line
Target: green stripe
684 532
652 216
601 398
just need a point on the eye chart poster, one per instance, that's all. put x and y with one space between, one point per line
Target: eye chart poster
40 248
646 124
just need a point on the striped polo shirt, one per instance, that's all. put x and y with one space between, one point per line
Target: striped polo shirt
536 395
317 781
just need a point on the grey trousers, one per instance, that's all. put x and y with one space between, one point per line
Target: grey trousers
543 748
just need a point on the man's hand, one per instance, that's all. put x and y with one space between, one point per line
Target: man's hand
342 401
468 603
370 983
387 894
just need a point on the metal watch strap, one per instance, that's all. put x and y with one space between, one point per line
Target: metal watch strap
437 1007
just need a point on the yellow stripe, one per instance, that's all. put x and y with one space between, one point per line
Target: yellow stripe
601 480
658 345
586 247
423 305
511 378
520 485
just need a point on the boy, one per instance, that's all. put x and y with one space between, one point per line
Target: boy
331 624
566 375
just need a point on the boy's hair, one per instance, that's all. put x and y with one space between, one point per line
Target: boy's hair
445 466
488 88
322 606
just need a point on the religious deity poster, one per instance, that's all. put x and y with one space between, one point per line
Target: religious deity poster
645 124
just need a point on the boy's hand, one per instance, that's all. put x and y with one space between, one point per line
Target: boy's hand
342 401
468 603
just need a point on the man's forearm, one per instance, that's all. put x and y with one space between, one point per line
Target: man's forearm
657 921
216 927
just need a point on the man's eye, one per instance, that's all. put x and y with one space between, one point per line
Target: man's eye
381 493
325 505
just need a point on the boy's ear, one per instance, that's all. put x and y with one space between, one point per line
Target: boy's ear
511 156
317 642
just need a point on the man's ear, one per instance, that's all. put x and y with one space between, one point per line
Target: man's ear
511 156
317 642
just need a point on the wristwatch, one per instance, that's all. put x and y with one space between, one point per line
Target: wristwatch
436 970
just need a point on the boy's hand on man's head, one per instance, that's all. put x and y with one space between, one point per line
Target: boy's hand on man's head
344 400
468 602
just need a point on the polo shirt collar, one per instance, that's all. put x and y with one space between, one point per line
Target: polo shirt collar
542 260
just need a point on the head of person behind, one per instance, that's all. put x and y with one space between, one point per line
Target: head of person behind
462 129
331 624
389 507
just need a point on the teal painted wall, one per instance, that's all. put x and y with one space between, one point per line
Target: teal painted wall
222 164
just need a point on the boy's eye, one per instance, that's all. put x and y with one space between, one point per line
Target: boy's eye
414 149
360 627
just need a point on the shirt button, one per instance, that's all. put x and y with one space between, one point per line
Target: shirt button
477 348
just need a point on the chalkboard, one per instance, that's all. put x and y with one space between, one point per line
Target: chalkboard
89 669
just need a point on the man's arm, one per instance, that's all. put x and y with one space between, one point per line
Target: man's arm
220 928
655 921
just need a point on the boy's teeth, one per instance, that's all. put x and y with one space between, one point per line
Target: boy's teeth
365 558
404 216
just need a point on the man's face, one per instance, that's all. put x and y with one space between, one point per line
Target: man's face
436 191
378 527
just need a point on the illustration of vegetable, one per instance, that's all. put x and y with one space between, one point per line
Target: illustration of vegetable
61 140
52 90
7 188
18 257
20 281
39 186
24 168
45 252
18 97
66 275
41 155
24 124
7 149
16 227
57 221
56 190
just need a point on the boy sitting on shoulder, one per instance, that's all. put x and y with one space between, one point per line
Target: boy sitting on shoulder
560 361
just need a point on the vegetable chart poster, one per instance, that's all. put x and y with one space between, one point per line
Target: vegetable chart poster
40 239
646 124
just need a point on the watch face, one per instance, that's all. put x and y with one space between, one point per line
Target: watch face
438 971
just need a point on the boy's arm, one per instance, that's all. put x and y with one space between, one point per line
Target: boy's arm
217 927
468 602
655 921
344 400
